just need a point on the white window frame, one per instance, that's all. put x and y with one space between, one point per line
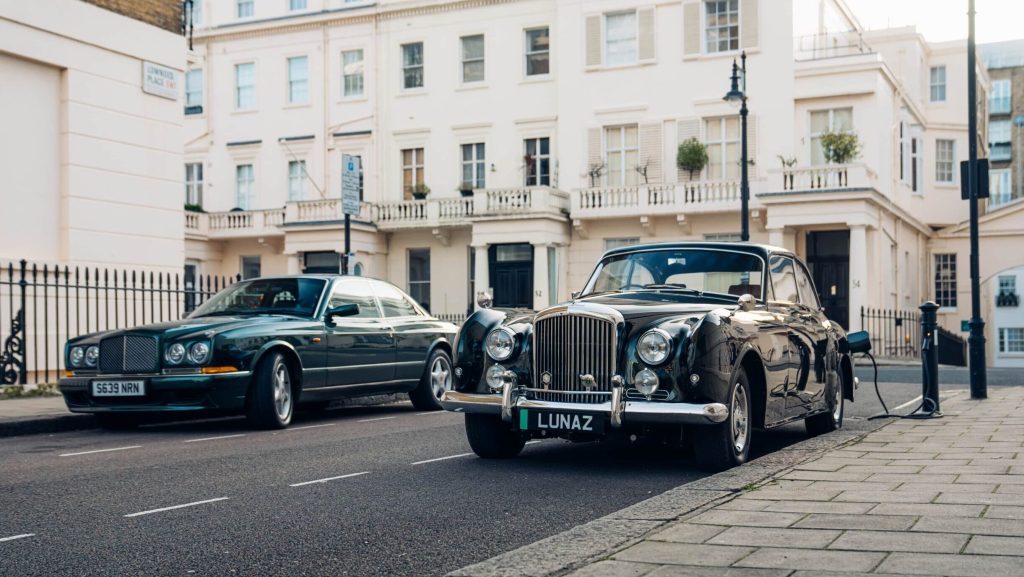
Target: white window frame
354 76
245 184
916 162
538 178
249 9
476 163
250 88
937 85
1002 90
250 257
615 142
194 94
1007 284
194 183
528 52
463 60
831 125
719 137
298 5
406 67
420 285
945 168
606 41
416 168
704 37
197 13
1000 186
945 288
296 180
1005 340
298 87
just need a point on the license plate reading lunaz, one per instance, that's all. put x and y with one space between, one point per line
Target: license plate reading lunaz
555 421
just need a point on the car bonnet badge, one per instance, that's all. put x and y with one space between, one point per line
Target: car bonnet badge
545 379
588 381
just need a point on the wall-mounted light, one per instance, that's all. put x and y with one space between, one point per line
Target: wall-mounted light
492 168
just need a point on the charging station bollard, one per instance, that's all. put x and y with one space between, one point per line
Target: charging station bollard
929 362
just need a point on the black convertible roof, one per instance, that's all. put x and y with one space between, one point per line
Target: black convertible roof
762 250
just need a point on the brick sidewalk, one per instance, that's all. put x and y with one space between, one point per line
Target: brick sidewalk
917 497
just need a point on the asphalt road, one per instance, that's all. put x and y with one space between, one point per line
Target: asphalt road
360 491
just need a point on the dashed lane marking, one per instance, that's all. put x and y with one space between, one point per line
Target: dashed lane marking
311 426
375 419
215 438
162 509
329 479
16 537
100 451
442 459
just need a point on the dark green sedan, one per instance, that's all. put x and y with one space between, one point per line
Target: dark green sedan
261 347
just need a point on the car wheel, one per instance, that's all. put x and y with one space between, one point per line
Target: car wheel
492 438
436 379
116 421
272 395
831 419
727 444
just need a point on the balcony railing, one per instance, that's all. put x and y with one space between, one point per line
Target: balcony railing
824 177
235 224
647 200
832 45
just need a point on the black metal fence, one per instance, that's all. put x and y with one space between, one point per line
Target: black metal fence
42 306
952 348
894 333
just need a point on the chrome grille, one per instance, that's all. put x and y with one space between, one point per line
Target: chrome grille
568 346
129 354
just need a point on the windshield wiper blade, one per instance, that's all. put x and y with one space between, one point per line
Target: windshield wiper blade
674 287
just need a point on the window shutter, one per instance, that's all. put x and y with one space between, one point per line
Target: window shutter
691 28
651 151
748 23
687 129
595 156
645 26
594 40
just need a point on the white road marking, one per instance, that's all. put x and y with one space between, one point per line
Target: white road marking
311 426
214 438
100 451
162 509
330 479
375 419
14 537
907 404
442 459
431 413
535 441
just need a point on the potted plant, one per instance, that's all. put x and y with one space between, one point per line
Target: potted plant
420 191
466 188
594 173
787 162
692 156
194 207
840 147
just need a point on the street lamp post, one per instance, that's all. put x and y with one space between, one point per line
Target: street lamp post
976 340
737 95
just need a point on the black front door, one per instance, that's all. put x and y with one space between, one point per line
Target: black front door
828 257
512 275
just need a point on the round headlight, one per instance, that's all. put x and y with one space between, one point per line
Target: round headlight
646 381
77 356
654 347
500 343
92 356
199 353
495 377
175 354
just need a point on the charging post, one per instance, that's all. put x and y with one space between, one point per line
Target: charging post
929 363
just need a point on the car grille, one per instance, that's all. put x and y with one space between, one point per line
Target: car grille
129 354
568 346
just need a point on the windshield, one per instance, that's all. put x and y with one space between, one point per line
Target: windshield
286 296
684 270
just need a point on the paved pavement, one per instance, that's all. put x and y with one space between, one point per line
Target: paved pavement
917 497
357 491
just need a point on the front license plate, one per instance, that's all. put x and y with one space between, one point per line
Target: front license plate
555 421
118 388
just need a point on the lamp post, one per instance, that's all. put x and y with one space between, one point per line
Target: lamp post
976 340
737 96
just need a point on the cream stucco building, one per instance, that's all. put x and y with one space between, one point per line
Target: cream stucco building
546 132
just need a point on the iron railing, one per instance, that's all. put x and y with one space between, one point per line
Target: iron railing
42 306
894 333
952 348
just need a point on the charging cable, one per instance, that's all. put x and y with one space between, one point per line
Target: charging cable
926 349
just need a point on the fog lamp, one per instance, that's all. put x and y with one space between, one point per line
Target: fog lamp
496 377
646 381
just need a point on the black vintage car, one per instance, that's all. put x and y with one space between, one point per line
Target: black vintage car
698 341
261 347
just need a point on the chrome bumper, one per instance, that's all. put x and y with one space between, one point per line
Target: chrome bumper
618 410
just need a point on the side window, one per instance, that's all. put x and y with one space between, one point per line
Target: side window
394 303
784 279
358 292
808 296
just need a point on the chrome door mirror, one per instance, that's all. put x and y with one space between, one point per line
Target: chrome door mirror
576 294
345 310
484 299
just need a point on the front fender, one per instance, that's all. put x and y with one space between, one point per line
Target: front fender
276 343
469 347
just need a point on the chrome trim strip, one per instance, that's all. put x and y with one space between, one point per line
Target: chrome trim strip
394 382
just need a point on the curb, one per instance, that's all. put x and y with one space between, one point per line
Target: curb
572 549
50 424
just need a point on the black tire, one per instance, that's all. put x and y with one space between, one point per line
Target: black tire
492 438
271 399
832 419
716 446
436 379
116 421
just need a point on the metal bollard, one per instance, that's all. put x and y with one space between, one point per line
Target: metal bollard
929 363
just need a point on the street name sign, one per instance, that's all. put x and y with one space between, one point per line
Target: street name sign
159 80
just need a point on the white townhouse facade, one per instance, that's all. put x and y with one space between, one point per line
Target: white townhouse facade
544 132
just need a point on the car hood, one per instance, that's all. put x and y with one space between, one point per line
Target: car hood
638 304
206 326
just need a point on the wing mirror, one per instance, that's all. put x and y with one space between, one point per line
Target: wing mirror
346 310
576 294
484 299
860 342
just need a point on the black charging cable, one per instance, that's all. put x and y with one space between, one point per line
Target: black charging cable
925 349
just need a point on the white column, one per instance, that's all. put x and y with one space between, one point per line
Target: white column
481 280
858 273
540 277
294 263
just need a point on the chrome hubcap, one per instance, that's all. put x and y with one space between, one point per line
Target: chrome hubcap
440 376
282 392
739 421
837 412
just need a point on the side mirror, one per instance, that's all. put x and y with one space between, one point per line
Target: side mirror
747 302
860 342
576 294
484 299
346 310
